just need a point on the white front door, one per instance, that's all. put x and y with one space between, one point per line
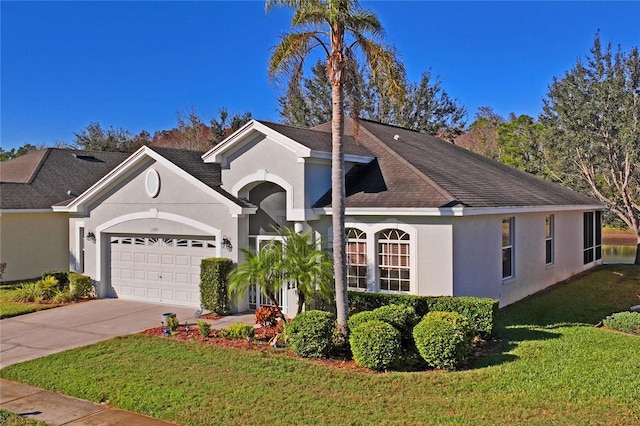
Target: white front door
256 298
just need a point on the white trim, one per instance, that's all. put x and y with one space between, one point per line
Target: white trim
102 265
14 211
246 133
243 186
371 230
78 246
131 163
454 211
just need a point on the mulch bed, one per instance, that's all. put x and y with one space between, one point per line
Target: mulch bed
259 343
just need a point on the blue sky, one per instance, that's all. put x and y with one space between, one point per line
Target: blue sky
135 65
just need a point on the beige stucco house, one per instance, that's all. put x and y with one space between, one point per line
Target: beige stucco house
34 238
423 216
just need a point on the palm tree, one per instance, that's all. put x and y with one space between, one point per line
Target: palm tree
261 268
341 29
306 266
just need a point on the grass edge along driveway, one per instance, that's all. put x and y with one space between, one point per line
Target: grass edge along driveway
554 367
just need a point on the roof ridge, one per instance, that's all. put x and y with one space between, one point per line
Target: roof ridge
407 163
38 166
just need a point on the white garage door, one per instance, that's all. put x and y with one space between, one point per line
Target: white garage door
158 269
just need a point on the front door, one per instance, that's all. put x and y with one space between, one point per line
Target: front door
256 298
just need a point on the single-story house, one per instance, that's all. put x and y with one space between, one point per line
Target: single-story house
423 216
34 238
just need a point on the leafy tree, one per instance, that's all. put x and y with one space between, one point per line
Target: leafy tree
305 265
261 268
427 107
482 135
95 138
13 153
520 143
593 114
192 133
341 29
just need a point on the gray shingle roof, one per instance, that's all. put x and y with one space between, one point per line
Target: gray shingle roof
418 170
207 173
318 138
43 178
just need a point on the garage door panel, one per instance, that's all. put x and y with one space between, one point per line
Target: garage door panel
167 269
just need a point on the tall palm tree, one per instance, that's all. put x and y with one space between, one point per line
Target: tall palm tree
261 268
341 29
305 265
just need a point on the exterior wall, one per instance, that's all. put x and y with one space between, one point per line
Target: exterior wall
33 243
431 259
264 160
478 255
180 208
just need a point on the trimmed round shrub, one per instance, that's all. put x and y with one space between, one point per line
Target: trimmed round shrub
310 333
375 344
402 317
443 339
361 317
80 286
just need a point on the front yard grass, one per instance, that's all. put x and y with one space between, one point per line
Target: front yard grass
10 308
551 366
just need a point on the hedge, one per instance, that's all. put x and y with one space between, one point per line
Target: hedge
61 276
443 339
480 312
213 284
310 333
375 344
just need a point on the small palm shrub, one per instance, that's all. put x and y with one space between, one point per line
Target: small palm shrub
240 331
63 296
204 328
310 333
48 286
29 293
375 344
443 339
628 322
80 286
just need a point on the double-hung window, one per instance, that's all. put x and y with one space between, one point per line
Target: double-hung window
394 260
356 259
508 255
548 240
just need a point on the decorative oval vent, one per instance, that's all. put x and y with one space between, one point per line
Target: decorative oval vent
152 183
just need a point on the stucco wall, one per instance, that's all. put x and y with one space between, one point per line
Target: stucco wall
32 243
532 274
180 208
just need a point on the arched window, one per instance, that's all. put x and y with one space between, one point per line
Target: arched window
356 259
393 260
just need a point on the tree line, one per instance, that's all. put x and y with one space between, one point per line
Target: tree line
587 136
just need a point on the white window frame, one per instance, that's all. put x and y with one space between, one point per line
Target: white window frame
359 239
510 246
549 240
398 260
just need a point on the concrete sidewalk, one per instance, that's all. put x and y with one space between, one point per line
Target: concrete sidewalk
57 409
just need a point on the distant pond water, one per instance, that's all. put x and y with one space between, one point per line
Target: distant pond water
618 254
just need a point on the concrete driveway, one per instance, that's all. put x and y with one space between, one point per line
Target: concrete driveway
42 333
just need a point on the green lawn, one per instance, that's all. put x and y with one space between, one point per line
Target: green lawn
8 418
9 308
552 366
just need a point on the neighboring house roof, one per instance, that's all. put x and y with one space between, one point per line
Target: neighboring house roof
415 170
41 179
